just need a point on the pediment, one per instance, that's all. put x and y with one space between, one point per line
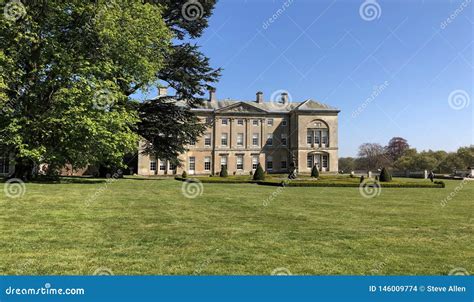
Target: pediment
241 108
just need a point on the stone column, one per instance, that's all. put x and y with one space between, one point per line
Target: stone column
247 133
231 121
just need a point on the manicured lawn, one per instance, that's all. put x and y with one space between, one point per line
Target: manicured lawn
135 227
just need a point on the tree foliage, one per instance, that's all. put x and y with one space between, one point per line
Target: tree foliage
223 172
189 73
373 156
315 172
385 175
396 147
69 69
259 173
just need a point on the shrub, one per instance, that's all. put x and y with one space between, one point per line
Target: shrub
385 175
315 172
259 174
184 175
251 173
362 178
224 172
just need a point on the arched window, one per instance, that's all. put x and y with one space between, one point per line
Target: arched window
318 134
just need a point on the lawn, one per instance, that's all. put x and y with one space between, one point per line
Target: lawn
136 227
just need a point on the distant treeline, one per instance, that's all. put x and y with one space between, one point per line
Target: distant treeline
398 155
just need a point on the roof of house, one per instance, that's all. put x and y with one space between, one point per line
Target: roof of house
269 107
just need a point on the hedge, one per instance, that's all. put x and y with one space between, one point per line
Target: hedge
296 183
350 185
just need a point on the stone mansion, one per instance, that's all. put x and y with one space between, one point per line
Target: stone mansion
245 133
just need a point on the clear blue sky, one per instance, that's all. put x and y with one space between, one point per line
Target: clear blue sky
326 51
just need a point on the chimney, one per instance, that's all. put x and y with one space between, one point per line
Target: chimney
259 97
162 91
212 95
284 98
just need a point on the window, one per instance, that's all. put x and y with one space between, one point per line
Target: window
270 122
207 139
240 162
309 137
324 138
224 139
309 161
325 161
209 120
240 139
223 161
225 121
269 163
255 122
192 143
192 163
240 122
4 165
317 137
283 139
283 164
255 139
207 163
153 165
162 165
270 139
172 167
283 123
254 162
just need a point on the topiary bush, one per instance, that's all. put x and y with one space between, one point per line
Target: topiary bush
385 176
224 172
259 174
315 172
184 175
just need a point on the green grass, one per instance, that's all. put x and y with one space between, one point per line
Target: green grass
322 181
136 227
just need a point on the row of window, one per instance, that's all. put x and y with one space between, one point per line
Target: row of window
239 163
241 139
320 160
255 122
164 165
317 137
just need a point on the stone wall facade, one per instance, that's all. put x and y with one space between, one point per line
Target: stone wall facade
242 134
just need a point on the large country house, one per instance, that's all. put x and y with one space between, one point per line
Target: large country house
245 133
